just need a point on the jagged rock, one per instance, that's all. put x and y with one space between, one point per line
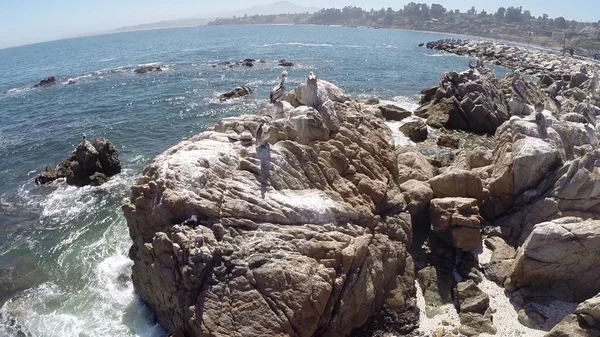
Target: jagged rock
456 220
560 256
466 101
90 164
471 298
531 318
282 239
545 81
577 80
394 112
238 92
147 69
415 131
413 165
503 255
457 183
46 82
450 141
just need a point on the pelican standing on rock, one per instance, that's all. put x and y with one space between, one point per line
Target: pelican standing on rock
263 132
518 87
312 78
279 90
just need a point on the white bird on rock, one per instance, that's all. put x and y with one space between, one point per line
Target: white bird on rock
279 90
263 132
518 87
312 78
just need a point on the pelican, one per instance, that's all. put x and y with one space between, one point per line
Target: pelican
263 132
518 87
279 90
82 143
312 78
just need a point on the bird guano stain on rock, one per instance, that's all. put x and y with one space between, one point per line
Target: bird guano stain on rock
300 236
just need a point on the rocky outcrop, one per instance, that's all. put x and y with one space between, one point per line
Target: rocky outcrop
584 322
413 165
560 256
147 69
284 63
450 141
90 164
503 255
299 237
465 101
238 92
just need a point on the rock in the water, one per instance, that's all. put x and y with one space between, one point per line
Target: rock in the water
562 257
394 112
415 130
90 164
457 220
147 69
284 63
46 82
279 240
239 92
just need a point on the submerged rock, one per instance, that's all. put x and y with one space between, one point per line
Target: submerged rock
302 236
147 69
90 164
46 82
284 63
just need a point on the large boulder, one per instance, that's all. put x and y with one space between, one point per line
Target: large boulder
467 101
415 130
457 221
285 239
394 112
562 257
90 164
314 94
413 165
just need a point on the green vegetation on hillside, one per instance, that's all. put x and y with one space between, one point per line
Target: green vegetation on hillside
512 23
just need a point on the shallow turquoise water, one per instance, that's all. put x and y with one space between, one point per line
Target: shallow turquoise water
68 246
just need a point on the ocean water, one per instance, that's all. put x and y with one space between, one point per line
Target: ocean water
64 269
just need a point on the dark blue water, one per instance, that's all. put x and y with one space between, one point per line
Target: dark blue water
63 251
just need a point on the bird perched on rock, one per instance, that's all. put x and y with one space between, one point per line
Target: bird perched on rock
518 87
539 107
279 90
540 120
312 78
263 131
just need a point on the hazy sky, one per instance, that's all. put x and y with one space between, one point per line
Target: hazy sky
29 21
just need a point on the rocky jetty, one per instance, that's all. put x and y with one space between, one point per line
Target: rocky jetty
239 92
530 61
147 69
328 228
90 164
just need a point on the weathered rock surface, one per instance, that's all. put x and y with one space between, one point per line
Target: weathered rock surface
90 164
238 92
436 285
450 141
457 183
584 322
456 220
417 195
500 265
316 94
302 237
413 165
560 256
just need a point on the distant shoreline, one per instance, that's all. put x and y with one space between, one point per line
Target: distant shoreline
522 44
